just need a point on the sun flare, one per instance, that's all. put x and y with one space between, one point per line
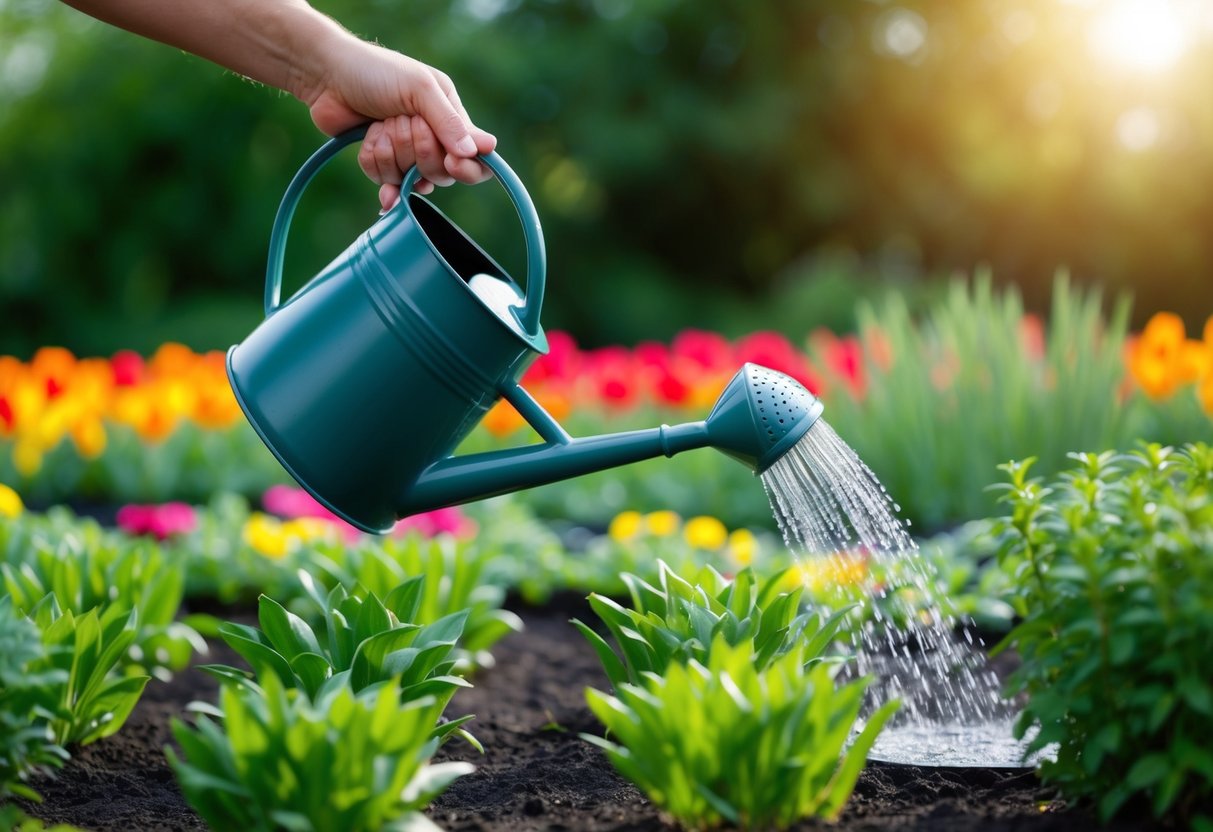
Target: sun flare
1144 35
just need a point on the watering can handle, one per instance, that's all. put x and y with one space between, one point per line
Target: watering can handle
536 254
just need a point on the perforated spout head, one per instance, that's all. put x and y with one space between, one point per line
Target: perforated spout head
760 415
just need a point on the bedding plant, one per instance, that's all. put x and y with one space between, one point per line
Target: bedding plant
1112 564
725 706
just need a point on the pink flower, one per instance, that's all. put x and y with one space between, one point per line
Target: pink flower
293 503
449 520
160 521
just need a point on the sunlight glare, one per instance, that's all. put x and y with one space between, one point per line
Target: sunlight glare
1145 35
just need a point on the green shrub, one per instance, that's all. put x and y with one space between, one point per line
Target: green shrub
87 567
729 742
25 701
1113 570
89 699
364 643
678 621
273 759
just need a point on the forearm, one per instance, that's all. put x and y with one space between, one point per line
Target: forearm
281 43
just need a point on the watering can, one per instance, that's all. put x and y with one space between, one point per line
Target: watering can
366 380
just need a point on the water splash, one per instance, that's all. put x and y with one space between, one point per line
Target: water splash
828 503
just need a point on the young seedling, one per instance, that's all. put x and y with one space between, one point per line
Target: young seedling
726 741
679 621
271 758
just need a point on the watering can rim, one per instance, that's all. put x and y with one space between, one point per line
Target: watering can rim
537 341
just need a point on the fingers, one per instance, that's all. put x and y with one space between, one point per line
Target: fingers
438 104
429 153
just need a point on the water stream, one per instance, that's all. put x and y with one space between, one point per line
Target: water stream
829 504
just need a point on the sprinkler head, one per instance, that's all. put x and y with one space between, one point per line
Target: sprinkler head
760 415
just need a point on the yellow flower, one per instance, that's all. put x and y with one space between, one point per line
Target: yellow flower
264 533
662 523
742 546
822 572
89 436
303 529
27 457
624 526
705 532
10 502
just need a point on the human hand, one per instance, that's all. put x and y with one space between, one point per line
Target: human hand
417 118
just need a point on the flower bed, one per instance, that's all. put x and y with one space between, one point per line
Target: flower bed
342 670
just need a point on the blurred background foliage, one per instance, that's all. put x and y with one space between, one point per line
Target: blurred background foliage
729 165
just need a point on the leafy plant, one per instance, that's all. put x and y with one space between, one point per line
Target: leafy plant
727 741
85 567
271 758
25 698
449 577
88 699
12 819
678 621
1112 567
364 643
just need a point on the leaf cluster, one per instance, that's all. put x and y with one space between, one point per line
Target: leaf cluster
1112 569
450 574
728 741
26 698
679 621
88 698
278 759
364 642
85 567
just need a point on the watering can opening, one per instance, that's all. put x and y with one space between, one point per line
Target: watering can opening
465 260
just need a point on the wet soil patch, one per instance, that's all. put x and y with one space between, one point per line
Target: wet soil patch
536 772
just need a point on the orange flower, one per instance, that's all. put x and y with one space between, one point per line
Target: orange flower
1155 356
502 419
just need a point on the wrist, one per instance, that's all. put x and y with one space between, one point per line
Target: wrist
315 42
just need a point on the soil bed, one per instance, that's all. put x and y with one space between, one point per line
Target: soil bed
536 772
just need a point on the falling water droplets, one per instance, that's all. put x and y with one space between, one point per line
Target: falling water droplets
827 502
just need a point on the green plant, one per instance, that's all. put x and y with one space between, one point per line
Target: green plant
25 699
1112 568
85 567
89 700
449 577
726 741
365 642
975 382
272 758
678 621
12 819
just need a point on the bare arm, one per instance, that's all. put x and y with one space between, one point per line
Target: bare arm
342 79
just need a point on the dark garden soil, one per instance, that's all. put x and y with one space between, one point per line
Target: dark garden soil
536 773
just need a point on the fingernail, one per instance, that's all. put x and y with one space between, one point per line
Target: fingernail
466 146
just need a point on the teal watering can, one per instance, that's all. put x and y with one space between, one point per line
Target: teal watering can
366 380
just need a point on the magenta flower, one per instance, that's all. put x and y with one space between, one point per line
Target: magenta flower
160 521
291 503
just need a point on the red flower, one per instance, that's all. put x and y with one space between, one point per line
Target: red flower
7 418
562 362
709 350
128 368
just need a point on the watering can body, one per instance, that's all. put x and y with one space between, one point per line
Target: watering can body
385 360
368 378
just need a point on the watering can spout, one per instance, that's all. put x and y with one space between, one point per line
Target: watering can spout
757 418
462 479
